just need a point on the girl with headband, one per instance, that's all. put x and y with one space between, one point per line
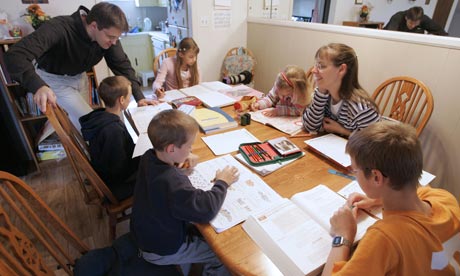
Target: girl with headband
288 97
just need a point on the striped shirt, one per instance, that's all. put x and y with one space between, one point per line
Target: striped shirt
283 105
351 115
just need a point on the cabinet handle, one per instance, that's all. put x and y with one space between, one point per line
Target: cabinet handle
135 59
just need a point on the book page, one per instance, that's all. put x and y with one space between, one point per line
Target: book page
332 146
290 238
238 91
215 85
172 95
321 203
143 115
229 141
353 187
209 97
287 124
244 197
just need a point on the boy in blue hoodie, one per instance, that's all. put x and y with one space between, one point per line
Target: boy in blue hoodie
110 144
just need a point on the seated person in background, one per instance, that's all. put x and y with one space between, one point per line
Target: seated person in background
179 71
420 230
288 95
414 21
110 144
340 105
165 201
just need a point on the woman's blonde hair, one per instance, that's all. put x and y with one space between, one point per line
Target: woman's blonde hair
294 77
187 44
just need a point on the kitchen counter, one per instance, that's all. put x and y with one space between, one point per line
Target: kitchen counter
155 34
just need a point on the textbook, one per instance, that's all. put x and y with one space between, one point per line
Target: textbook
213 119
287 124
207 93
294 233
332 147
248 195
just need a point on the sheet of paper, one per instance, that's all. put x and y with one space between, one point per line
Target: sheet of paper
249 194
143 115
143 144
332 146
227 142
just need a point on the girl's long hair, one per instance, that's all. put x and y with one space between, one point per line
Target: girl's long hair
187 44
293 76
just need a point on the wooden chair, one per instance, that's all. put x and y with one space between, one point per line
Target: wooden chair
93 187
33 239
169 52
237 60
405 99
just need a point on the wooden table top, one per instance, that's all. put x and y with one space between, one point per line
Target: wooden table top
233 246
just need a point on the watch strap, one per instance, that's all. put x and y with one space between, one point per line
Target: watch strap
339 241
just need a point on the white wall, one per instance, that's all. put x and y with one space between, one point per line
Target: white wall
15 9
382 54
215 42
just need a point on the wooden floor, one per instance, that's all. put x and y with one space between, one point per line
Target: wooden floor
59 188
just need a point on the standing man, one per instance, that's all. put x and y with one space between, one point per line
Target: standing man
52 61
414 21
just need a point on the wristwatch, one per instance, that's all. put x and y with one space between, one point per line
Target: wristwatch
339 241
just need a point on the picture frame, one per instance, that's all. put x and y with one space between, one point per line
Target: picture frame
358 2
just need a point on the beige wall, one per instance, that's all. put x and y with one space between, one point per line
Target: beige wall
381 54
215 42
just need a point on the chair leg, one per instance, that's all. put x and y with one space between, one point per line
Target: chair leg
112 226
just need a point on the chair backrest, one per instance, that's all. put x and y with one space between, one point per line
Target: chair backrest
169 52
405 99
77 153
33 239
237 60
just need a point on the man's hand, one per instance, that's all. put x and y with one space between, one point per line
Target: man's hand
145 102
44 95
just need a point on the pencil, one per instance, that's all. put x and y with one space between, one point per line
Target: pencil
301 135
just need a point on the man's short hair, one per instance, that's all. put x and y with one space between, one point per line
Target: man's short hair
107 15
112 88
414 14
171 127
390 147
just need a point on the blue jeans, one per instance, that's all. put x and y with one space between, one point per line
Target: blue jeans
193 250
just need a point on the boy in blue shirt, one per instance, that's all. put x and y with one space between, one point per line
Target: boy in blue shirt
165 202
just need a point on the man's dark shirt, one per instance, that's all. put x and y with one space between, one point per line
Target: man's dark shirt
398 23
62 46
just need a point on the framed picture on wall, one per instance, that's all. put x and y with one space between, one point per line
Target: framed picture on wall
358 2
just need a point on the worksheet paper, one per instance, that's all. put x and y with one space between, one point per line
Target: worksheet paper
227 142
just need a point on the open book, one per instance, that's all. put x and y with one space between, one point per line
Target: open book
294 233
287 124
207 92
332 147
244 197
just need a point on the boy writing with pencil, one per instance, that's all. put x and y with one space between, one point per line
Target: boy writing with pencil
165 202
420 230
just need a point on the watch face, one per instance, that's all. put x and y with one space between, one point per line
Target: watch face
337 241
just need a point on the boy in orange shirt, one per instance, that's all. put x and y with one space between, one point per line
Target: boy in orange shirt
420 230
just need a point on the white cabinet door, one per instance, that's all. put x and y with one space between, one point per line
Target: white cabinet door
138 48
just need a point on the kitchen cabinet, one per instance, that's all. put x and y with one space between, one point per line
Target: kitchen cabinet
138 48
151 3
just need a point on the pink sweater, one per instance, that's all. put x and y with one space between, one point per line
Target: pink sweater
166 76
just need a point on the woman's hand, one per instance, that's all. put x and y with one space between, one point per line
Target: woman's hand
332 126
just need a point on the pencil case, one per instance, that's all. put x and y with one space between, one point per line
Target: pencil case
263 153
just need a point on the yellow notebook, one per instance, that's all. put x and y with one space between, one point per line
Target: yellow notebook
213 119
